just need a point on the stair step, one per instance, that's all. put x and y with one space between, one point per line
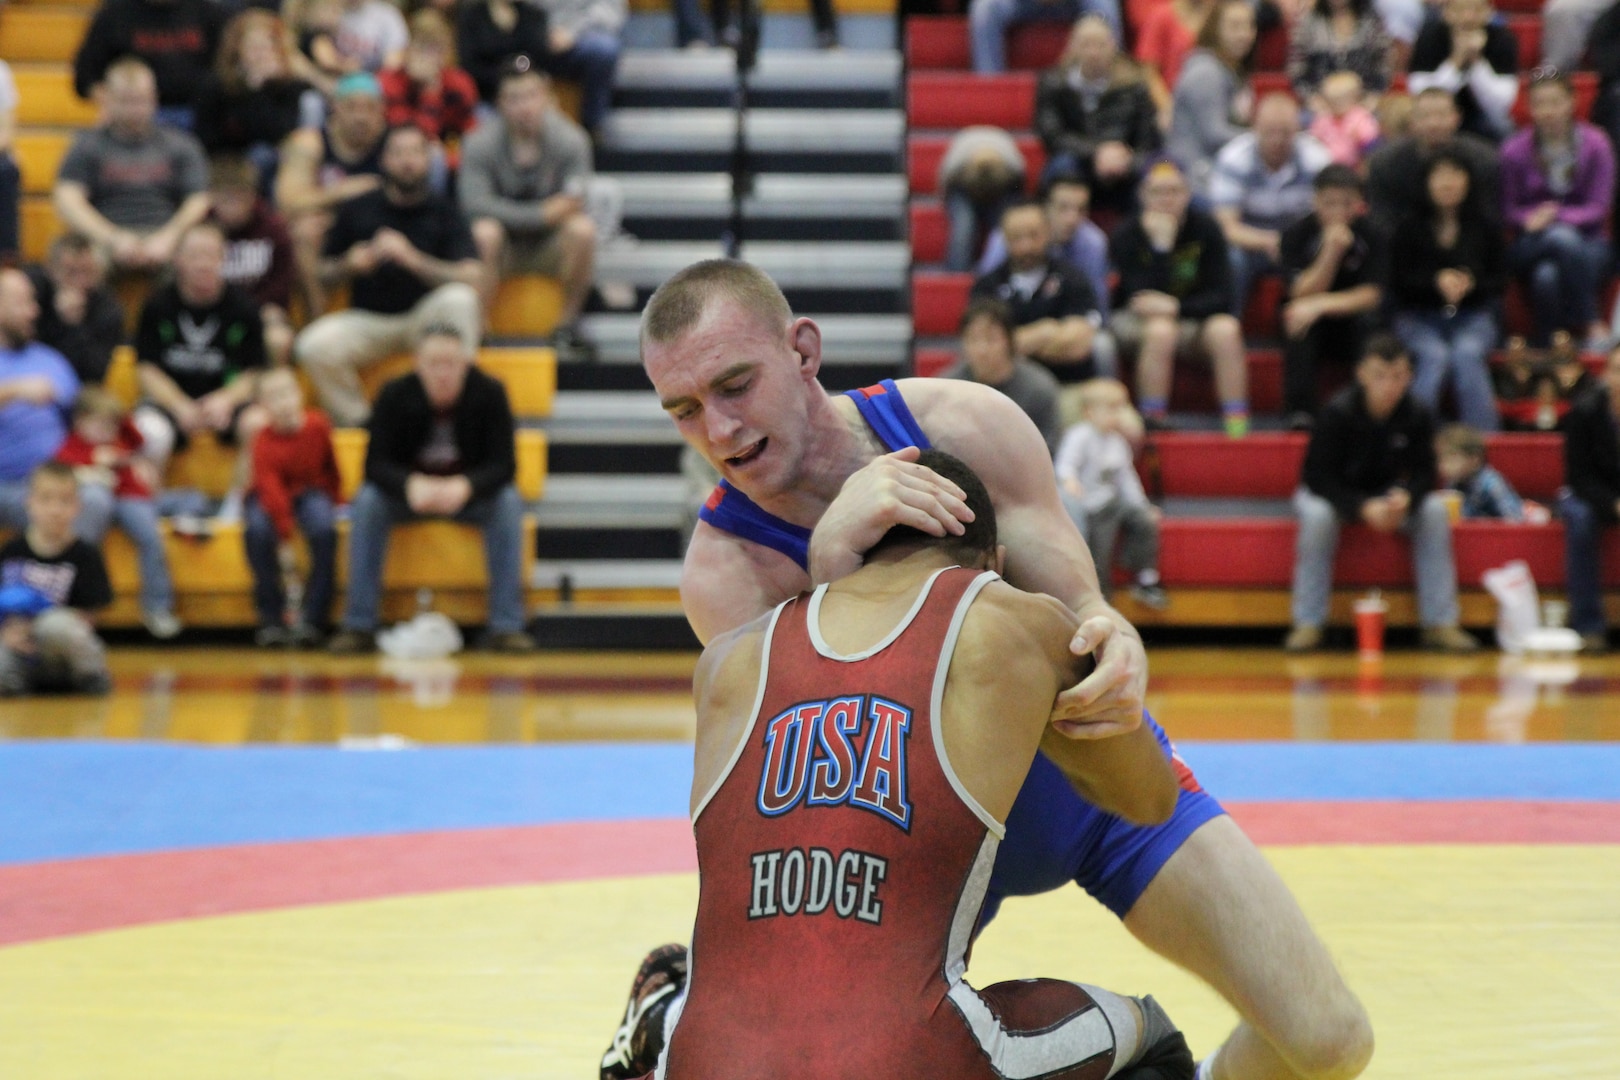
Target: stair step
790 140
782 79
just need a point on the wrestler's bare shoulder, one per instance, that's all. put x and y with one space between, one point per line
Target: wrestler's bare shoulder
970 421
727 580
1005 622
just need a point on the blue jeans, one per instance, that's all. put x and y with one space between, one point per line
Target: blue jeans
1433 567
1453 348
1583 563
317 520
99 510
1563 269
1246 266
373 516
10 199
591 62
991 19
690 25
967 223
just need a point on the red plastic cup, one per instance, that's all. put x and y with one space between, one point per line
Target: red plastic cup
1370 611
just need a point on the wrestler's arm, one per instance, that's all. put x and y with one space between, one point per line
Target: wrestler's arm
727 582
1010 662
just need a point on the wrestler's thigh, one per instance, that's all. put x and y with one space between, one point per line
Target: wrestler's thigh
1219 909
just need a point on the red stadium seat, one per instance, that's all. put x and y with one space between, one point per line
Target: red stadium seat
1527 28
938 99
929 230
937 301
931 362
1036 46
937 43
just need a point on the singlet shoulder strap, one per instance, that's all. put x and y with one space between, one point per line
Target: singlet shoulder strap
729 510
885 410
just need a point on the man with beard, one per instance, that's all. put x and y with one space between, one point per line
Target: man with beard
409 260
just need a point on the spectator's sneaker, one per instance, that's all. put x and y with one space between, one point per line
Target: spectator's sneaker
1150 596
640 1038
304 636
1303 639
99 683
1237 425
352 642
161 624
271 637
826 39
1594 644
1157 423
514 642
1301 421
572 345
192 527
1451 639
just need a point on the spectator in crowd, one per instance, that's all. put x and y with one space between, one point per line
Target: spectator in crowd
200 349
1460 456
523 178
491 32
1474 57
428 89
1337 35
410 262
1591 503
1344 124
79 316
295 485
1371 460
1263 184
117 486
322 169
1603 58
1557 192
313 27
1212 103
52 583
441 447
1397 173
1096 472
1075 237
1446 278
1052 304
259 256
37 387
127 184
10 175
584 40
175 40
1165 38
981 172
1174 298
1572 29
251 101
989 353
990 20
1096 117
371 35
823 18
1334 263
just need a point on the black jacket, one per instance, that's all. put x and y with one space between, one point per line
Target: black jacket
1415 257
235 121
1592 454
1353 458
402 420
89 345
1196 270
1124 113
177 40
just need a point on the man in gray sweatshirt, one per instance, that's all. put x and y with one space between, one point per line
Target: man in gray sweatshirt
523 179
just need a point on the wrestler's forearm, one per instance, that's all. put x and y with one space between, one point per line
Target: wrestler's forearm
1127 775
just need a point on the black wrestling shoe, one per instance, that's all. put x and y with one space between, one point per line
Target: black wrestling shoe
1167 1059
640 1038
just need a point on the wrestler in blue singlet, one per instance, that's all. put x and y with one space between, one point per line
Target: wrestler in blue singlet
1053 836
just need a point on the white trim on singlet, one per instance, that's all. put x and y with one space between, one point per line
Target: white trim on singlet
1020 1057
813 623
968 905
753 716
941 669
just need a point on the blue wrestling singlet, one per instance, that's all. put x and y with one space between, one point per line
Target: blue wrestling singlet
1053 836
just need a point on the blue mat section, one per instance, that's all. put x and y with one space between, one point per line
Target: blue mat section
74 799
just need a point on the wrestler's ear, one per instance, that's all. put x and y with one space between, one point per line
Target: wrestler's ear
804 337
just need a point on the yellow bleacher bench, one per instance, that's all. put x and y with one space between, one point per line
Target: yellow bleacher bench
529 305
39 226
39 156
41 33
45 97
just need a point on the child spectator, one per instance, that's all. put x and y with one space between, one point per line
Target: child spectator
1344 125
50 582
1096 471
295 480
428 89
259 257
118 485
1486 493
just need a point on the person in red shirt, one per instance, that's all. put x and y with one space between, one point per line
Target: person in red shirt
295 482
428 89
104 449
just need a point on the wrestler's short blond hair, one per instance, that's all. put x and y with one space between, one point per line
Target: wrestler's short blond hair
680 303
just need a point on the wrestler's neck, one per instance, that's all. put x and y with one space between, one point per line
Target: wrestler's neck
838 442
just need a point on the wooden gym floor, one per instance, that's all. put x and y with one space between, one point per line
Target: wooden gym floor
263 865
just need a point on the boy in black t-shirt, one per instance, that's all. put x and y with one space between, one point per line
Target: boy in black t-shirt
200 345
49 583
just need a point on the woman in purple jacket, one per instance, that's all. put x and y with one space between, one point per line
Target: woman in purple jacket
1557 190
